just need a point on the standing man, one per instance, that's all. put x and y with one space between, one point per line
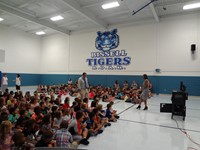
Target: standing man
83 86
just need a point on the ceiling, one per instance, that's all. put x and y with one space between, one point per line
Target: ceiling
34 15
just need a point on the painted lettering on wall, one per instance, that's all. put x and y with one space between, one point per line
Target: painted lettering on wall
107 58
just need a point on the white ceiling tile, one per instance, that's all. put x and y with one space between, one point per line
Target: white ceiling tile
73 20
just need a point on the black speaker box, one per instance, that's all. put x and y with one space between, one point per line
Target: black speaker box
193 47
165 107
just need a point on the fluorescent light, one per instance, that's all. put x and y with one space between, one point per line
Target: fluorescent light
191 6
110 5
56 18
40 33
1 19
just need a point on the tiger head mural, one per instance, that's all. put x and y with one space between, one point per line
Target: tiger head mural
107 40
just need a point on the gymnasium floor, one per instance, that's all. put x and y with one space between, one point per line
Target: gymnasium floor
149 130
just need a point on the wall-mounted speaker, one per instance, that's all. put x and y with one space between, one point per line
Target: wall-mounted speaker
157 70
193 48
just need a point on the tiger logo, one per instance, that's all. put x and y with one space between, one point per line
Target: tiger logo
107 40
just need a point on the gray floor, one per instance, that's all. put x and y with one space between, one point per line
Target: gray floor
149 130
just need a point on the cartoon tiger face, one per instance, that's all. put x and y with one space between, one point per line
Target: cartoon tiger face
107 40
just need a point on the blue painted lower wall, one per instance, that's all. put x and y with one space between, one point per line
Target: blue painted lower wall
27 79
161 84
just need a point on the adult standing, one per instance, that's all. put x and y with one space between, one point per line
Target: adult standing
83 86
145 92
18 82
4 83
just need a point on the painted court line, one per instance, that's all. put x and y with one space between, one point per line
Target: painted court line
152 123
126 109
163 126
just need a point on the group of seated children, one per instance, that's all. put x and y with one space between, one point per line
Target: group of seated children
107 94
45 120
42 120
126 93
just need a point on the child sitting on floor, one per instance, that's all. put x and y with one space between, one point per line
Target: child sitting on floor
6 135
20 142
109 113
113 111
91 94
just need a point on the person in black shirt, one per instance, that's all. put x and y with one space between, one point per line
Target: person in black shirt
44 109
20 142
29 131
3 117
22 119
46 140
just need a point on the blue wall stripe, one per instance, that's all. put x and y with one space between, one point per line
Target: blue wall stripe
161 84
27 79
168 83
50 79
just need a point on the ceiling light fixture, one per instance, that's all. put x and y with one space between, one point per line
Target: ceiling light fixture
110 5
191 6
40 33
56 18
1 19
